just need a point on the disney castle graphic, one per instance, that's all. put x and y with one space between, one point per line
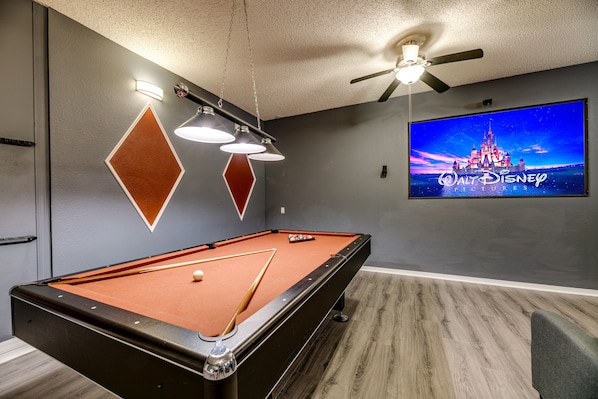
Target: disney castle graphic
489 158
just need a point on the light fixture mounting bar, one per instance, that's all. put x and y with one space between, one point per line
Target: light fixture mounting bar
182 91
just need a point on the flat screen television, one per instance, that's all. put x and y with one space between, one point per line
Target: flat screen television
536 151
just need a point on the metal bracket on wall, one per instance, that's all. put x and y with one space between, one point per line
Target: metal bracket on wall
17 240
21 143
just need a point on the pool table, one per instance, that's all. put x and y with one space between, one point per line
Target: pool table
148 329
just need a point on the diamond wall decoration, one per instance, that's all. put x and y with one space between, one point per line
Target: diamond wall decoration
146 166
240 179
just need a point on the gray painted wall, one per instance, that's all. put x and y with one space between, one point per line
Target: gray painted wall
331 181
92 104
18 262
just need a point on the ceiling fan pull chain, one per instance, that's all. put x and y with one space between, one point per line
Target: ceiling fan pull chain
409 87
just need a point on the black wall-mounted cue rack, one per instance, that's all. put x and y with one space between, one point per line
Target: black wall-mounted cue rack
24 239
17 240
21 143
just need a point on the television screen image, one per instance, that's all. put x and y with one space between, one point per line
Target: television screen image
537 151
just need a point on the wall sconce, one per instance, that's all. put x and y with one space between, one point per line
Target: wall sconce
149 89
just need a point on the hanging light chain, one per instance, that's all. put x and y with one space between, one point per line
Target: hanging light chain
257 109
230 34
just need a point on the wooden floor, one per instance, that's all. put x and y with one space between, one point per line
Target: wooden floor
407 337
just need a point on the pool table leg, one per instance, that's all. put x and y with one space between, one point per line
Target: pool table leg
339 306
221 389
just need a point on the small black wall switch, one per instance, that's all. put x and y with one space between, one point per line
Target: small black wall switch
384 171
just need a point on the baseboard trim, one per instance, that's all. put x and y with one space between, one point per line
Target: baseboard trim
486 281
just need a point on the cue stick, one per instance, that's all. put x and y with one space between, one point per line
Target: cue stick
130 272
247 298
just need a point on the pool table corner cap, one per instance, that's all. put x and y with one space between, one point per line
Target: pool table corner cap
220 364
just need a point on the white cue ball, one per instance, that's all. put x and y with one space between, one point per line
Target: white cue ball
197 275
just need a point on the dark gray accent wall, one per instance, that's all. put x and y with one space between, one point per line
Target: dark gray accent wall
330 180
18 205
93 102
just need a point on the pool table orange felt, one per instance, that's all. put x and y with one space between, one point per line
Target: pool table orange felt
206 306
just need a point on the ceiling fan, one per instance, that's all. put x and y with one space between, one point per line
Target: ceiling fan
411 67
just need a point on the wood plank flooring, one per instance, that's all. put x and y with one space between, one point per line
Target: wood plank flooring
407 337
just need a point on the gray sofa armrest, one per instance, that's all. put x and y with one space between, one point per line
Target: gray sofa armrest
564 358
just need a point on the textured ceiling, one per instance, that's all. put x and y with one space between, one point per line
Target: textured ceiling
305 52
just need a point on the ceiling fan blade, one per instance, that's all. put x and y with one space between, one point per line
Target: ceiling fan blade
392 87
434 82
465 55
373 75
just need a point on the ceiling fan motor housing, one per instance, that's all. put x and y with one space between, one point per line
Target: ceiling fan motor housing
410 52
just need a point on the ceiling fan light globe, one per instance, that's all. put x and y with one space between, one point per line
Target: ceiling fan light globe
410 74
